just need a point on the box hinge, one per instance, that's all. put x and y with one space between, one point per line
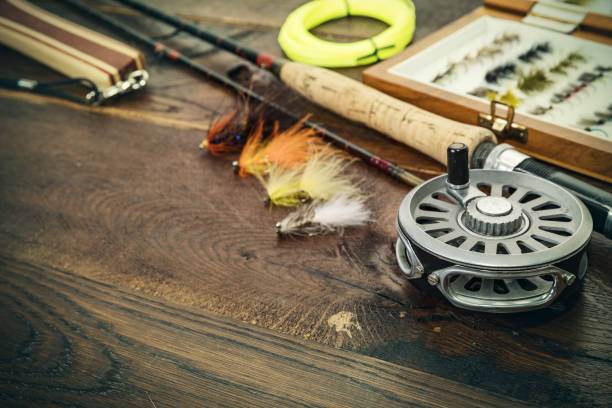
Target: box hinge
503 128
555 16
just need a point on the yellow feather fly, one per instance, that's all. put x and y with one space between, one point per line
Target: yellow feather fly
283 186
320 178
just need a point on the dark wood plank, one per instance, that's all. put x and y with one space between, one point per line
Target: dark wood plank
72 342
137 205
123 196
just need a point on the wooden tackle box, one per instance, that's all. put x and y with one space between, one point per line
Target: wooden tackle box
552 137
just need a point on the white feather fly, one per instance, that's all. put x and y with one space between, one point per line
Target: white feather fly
316 218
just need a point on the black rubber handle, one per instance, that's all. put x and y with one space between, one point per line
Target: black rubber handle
458 164
598 201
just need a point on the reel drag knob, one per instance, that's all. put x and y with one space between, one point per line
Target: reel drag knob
495 216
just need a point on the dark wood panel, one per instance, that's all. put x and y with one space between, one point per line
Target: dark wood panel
72 342
121 195
138 205
141 205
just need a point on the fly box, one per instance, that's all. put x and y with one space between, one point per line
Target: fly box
537 73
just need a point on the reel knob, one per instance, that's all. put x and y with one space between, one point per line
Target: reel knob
458 165
494 216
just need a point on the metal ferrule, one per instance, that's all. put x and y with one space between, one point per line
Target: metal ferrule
504 157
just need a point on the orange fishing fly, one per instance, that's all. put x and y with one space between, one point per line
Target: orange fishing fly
286 149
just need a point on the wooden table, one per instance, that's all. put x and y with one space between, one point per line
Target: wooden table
137 270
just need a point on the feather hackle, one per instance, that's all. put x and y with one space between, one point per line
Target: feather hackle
319 179
287 149
318 218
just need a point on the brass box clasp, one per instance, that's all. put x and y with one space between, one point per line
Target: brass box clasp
503 128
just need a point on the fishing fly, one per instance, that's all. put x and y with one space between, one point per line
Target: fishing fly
509 98
283 186
534 80
488 51
568 62
287 149
318 179
318 218
535 52
226 134
503 71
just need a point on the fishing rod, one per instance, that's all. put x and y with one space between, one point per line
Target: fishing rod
419 129
390 168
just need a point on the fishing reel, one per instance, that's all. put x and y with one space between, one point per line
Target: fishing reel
493 241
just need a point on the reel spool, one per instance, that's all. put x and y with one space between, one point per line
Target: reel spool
493 241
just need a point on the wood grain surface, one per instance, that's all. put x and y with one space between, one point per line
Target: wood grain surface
134 265
76 342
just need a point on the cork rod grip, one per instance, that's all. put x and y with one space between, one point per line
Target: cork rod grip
428 133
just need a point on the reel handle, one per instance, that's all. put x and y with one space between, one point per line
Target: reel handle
458 164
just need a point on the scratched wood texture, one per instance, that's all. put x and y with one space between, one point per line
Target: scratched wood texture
129 258
65 326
